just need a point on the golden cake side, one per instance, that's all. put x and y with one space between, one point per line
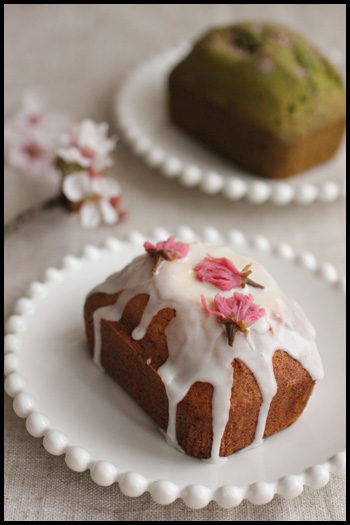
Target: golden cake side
126 361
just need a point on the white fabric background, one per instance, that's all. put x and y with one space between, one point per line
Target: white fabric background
79 54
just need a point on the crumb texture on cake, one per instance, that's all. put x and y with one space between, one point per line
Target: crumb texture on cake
150 332
260 85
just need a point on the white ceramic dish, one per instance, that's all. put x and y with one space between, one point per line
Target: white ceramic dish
141 114
82 413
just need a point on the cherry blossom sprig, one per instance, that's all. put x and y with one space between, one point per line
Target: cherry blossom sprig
39 142
88 146
31 136
82 158
238 312
223 274
166 250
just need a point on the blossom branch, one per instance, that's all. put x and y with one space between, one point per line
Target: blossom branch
40 143
31 213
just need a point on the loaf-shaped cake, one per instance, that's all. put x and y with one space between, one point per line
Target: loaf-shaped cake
206 343
261 95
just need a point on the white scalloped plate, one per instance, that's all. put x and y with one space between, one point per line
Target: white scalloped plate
141 114
82 413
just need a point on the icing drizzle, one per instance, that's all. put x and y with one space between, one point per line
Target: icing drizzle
197 344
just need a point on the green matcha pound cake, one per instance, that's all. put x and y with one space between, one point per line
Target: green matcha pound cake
262 96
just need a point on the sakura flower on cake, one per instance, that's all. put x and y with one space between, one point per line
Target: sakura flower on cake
222 273
237 312
166 250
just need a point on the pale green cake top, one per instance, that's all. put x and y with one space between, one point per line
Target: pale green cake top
267 73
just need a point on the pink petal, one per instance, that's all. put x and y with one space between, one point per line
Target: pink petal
223 305
74 155
108 212
76 186
245 309
33 102
88 131
180 248
101 163
105 187
220 272
90 216
209 310
149 247
239 307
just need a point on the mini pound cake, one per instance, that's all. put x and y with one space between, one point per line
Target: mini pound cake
261 95
205 341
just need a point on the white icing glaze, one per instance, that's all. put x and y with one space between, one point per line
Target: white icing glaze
197 343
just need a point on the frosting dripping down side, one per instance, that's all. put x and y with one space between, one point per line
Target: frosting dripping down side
197 343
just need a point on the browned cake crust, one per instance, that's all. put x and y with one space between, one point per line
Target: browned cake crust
247 145
261 95
125 360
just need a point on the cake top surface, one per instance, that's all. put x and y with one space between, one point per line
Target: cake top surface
181 283
227 307
180 278
270 73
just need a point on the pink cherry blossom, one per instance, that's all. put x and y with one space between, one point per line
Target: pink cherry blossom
223 274
97 198
166 250
31 153
238 312
220 272
31 136
87 145
237 308
178 249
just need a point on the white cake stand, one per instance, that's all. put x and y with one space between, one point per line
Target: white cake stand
142 117
82 413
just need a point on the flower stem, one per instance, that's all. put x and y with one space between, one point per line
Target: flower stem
30 213
254 284
231 329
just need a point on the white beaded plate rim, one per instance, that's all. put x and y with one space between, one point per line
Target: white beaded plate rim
19 365
141 116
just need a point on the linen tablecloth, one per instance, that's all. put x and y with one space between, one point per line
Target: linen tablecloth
80 53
